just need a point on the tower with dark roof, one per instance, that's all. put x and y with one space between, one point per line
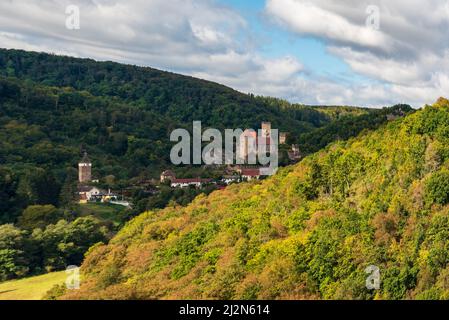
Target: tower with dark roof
85 169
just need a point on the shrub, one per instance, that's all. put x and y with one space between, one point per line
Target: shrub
437 188
38 217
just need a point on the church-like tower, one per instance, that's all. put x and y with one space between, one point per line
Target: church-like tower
85 169
266 129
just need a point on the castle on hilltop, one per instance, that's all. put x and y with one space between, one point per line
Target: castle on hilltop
250 141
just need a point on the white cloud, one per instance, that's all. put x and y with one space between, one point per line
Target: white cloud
408 58
408 55
199 37
135 28
308 18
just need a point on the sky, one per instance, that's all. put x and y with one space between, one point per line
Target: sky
350 52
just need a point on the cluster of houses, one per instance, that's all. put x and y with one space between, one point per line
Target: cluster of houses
240 175
249 141
88 193
94 194
249 147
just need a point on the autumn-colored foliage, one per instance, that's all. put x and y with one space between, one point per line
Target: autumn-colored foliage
307 233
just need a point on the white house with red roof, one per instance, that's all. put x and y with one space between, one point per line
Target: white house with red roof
250 174
185 183
170 176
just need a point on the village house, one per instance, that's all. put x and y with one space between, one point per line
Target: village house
229 179
89 193
169 176
250 174
93 194
185 183
86 193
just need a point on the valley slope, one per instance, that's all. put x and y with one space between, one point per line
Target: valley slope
380 199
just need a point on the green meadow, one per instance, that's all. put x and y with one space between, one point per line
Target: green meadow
32 288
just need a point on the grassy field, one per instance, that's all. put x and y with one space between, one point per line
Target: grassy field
103 211
33 288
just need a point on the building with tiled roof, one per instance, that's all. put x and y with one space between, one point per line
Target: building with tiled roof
184 183
250 174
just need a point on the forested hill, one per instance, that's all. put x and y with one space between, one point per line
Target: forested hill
53 107
180 98
381 199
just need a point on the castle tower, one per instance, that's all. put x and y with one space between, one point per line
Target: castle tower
85 169
248 146
266 136
266 129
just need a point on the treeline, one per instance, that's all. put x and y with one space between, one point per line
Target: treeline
347 126
47 239
34 187
180 98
